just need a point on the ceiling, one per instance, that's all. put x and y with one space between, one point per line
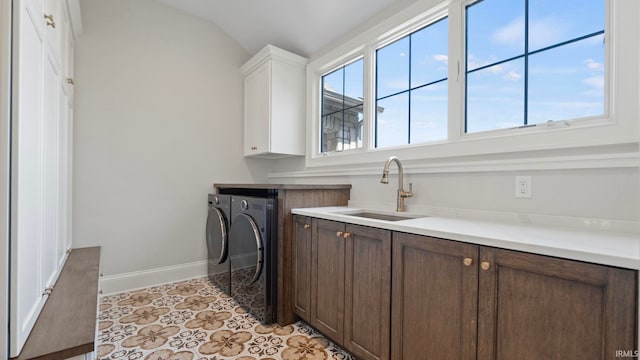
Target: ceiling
300 26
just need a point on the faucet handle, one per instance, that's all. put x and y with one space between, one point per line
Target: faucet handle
406 194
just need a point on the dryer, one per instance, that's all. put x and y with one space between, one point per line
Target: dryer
217 238
253 255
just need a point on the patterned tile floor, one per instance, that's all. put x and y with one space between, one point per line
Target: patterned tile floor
193 320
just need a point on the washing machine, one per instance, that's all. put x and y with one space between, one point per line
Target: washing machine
253 255
217 237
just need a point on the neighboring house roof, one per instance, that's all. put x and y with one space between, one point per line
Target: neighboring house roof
335 99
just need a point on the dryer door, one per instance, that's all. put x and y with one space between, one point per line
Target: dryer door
246 251
217 238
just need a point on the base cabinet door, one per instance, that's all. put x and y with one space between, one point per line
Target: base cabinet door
538 307
327 278
350 284
367 292
434 298
302 267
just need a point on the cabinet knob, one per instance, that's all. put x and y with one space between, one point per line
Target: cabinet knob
254 148
467 261
346 235
339 233
50 21
485 265
70 81
307 226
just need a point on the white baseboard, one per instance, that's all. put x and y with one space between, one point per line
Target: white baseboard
140 279
118 283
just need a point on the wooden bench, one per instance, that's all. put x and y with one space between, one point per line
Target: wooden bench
66 326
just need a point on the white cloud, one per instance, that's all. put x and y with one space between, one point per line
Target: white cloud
593 93
497 69
513 76
425 125
512 33
396 84
441 58
543 32
595 81
594 65
546 31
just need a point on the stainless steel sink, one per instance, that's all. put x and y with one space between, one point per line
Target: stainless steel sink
378 216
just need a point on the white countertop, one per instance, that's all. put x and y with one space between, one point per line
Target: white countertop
601 247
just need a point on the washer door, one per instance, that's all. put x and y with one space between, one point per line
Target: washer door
217 238
246 251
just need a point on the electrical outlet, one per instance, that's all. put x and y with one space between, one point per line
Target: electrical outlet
523 187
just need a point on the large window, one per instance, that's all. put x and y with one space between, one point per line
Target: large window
533 61
411 88
478 77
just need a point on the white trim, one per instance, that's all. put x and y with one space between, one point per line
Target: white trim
5 119
75 17
140 279
597 161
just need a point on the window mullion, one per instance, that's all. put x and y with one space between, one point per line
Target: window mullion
409 96
369 101
456 72
526 62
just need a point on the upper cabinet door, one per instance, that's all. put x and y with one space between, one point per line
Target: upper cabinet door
274 107
257 111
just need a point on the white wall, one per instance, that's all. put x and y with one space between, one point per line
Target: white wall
607 193
158 120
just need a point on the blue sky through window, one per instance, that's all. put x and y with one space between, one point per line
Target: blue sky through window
561 77
411 90
561 83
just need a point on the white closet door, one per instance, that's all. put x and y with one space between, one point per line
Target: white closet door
51 171
27 178
63 176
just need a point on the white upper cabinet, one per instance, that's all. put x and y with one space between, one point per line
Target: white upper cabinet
274 104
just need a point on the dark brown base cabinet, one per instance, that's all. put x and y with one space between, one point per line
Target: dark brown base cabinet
459 301
343 286
445 299
435 299
289 196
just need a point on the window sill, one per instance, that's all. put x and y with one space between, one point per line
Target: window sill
623 155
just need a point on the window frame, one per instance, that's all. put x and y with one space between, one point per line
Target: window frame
321 105
618 126
410 87
527 53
